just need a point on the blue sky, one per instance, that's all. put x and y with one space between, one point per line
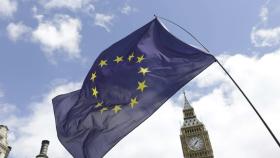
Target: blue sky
47 47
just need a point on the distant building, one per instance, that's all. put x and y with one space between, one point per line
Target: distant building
194 137
44 149
4 147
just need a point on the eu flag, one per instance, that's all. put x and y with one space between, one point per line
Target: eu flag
127 83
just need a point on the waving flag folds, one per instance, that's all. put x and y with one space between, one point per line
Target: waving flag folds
127 83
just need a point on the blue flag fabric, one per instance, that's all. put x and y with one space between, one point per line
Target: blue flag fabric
127 83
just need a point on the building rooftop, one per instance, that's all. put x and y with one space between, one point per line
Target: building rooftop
3 126
187 105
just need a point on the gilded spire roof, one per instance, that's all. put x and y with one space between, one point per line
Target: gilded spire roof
187 105
190 118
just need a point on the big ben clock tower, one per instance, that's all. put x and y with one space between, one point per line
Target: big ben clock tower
194 137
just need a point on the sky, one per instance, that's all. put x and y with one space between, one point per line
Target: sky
48 46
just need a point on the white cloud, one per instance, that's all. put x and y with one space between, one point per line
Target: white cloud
127 9
70 4
265 37
89 10
28 131
61 33
7 111
7 8
58 35
264 14
17 30
261 35
103 20
235 130
36 15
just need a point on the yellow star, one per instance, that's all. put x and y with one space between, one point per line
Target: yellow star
118 59
131 56
117 108
141 86
140 59
133 102
99 104
93 76
94 92
144 70
103 109
103 63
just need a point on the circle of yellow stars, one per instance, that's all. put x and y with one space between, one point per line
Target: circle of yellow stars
142 85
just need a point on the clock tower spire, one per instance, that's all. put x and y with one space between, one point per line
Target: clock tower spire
194 137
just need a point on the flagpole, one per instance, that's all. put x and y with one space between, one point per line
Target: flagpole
256 111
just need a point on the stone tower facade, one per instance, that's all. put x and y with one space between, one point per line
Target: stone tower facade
194 137
44 149
4 147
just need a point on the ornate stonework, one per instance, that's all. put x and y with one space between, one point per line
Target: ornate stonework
194 137
4 147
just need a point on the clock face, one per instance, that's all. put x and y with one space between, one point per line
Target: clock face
195 143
